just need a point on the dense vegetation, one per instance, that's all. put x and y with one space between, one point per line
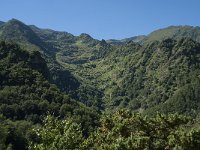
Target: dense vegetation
163 74
26 96
122 130
73 79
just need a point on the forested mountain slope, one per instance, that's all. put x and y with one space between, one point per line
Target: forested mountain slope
29 38
163 74
26 97
175 32
146 76
56 74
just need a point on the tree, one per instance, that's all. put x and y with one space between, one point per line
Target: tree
55 134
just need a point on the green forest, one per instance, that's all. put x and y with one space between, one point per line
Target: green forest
59 91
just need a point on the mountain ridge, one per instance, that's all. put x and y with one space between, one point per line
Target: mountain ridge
138 38
110 76
175 32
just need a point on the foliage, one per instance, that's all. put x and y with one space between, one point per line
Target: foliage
25 94
162 76
108 77
121 130
51 72
14 133
55 134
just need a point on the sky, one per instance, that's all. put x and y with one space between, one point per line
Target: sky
103 19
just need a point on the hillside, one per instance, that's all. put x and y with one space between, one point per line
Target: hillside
54 88
28 38
175 32
26 97
142 77
139 39
157 74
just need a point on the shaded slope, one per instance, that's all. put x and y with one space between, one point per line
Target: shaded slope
62 52
26 97
22 34
26 94
1 23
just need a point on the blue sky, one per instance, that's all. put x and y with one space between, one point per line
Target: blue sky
103 19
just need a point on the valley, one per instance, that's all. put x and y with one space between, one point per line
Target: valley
56 74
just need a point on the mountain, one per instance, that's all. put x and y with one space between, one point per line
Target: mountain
162 75
138 74
26 97
77 78
133 39
63 52
23 79
18 31
175 32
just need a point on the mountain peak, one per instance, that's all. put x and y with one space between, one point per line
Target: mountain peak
15 21
85 36
14 25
